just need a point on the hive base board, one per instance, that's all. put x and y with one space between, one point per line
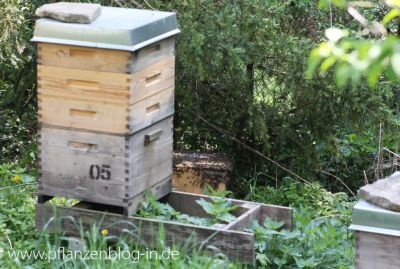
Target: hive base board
159 190
228 238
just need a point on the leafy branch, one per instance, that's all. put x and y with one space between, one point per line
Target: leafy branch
372 52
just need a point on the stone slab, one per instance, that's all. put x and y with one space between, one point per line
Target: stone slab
384 192
70 12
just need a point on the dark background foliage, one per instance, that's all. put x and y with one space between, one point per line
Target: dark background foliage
240 77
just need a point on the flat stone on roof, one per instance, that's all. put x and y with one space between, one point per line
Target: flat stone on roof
384 192
70 12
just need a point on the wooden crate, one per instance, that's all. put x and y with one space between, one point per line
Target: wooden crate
79 86
376 251
229 238
109 102
106 168
106 122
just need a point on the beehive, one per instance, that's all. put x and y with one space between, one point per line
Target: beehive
106 102
194 171
377 236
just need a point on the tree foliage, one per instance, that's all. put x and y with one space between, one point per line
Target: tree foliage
373 52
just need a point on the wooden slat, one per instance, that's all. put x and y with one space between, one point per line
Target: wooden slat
186 202
83 114
153 79
235 244
150 162
78 57
377 251
106 60
84 84
152 54
152 109
244 220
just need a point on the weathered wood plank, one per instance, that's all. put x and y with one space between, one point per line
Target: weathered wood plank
152 54
84 84
150 110
83 114
236 245
83 99
71 163
78 57
104 168
186 202
150 162
160 189
153 79
377 251
106 60
244 221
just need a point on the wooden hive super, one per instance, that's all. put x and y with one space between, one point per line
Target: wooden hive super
377 236
106 109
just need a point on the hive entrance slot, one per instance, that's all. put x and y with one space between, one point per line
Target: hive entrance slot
82 113
153 108
82 146
153 79
83 84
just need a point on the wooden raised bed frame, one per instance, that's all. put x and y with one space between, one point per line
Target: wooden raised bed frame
230 239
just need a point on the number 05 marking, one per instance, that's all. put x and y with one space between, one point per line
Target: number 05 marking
96 172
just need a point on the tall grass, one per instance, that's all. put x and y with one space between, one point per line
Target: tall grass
96 240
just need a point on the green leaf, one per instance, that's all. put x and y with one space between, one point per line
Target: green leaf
342 74
207 206
262 258
225 216
395 61
390 16
328 63
27 179
324 4
313 62
375 73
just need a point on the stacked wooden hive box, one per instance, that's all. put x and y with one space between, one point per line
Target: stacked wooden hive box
106 104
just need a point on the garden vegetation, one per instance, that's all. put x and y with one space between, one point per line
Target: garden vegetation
245 87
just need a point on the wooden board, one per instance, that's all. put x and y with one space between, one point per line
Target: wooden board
104 168
153 79
235 244
106 60
83 99
151 109
84 84
186 202
150 159
82 114
375 251
229 239
152 54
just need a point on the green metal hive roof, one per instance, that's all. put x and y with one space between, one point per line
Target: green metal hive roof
371 218
115 28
